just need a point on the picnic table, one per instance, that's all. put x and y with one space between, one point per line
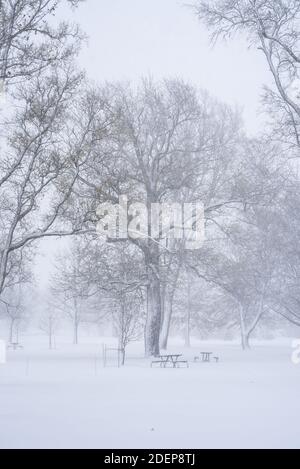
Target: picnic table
206 356
171 359
14 345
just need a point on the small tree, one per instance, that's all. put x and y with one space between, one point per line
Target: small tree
71 286
117 278
127 319
49 324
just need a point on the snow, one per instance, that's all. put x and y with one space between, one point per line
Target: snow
65 398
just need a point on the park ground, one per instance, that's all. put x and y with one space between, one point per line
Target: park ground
66 398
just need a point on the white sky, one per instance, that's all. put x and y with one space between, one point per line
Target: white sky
162 38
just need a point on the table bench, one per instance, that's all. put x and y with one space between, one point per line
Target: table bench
15 345
170 360
206 357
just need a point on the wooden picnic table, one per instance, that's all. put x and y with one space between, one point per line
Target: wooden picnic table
206 356
14 345
171 359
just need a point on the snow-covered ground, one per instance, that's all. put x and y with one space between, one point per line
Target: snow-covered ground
65 398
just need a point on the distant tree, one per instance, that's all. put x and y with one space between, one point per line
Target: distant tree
71 287
243 260
49 323
118 276
203 310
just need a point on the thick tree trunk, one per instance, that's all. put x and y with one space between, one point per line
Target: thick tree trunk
154 310
165 329
75 336
244 335
168 311
163 294
123 355
246 331
188 314
153 321
245 342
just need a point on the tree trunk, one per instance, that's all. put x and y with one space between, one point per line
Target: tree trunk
3 268
76 322
168 310
188 315
11 330
75 337
50 340
163 294
153 321
245 342
244 335
166 323
123 354
164 334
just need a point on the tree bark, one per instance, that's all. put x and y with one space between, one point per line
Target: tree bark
245 341
75 338
188 316
165 329
168 311
244 335
123 354
153 321
154 309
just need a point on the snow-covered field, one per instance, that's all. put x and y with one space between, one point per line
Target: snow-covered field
65 398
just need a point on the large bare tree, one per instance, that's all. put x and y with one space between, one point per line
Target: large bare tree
36 169
35 176
167 143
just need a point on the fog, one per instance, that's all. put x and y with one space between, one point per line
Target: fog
139 38
149 226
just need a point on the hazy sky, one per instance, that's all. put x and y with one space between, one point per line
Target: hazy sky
162 38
